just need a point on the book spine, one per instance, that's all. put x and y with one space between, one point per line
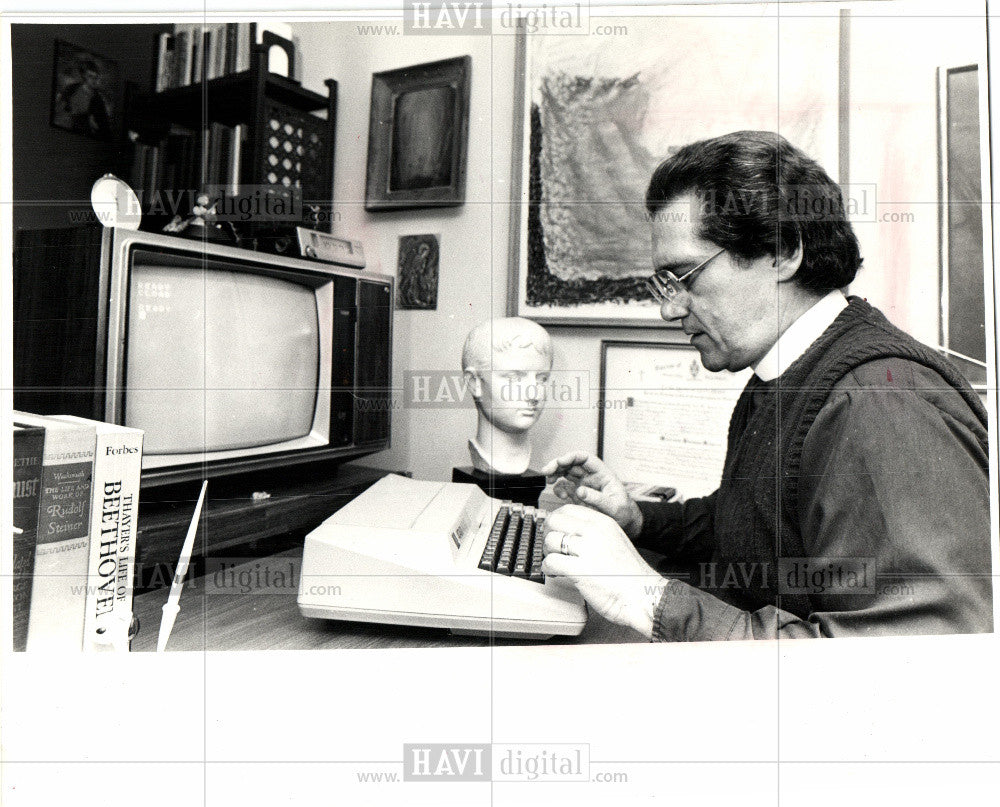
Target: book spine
58 590
164 63
236 154
232 34
220 50
197 49
244 40
113 520
29 443
208 39
182 57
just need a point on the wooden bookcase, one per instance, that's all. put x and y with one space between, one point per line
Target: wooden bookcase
286 149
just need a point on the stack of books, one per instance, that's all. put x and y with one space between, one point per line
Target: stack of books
76 508
211 50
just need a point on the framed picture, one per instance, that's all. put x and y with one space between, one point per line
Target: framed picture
417 275
594 121
963 306
417 136
86 93
663 418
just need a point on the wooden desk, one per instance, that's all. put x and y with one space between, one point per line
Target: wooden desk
217 613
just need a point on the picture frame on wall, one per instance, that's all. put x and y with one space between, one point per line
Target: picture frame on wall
418 136
961 243
86 93
663 419
417 272
592 124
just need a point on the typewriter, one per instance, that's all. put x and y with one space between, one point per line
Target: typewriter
411 552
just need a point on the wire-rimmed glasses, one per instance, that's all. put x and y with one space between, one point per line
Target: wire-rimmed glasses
664 285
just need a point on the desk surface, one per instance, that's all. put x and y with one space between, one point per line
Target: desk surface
252 606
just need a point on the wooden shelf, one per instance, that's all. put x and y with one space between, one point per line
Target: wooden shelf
227 99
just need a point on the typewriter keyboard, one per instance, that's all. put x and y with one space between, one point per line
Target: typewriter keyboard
514 546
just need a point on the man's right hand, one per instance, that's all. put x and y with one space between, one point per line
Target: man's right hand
582 478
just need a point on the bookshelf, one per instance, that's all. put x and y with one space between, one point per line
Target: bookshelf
248 135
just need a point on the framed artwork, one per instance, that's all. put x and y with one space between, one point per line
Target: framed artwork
593 122
417 276
86 93
663 418
961 258
417 136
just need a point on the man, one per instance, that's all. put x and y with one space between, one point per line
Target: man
854 498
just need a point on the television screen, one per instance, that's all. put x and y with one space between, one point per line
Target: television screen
219 360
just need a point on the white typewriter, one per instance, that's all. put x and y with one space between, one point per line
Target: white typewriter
436 554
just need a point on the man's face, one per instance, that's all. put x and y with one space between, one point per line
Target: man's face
513 389
729 311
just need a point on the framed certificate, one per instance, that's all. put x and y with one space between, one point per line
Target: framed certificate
663 418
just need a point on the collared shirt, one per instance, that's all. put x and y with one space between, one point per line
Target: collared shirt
800 335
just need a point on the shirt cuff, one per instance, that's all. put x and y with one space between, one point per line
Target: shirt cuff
687 614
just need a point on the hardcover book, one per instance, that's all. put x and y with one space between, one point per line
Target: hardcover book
29 442
114 511
58 589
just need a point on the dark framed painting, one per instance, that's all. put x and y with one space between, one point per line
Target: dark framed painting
86 92
417 136
417 272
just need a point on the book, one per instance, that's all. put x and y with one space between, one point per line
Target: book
182 56
114 512
59 583
165 63
29 443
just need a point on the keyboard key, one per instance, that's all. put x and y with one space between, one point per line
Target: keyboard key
535 570
491 552
506 562
524 543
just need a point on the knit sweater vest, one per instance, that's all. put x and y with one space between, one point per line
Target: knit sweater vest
756 513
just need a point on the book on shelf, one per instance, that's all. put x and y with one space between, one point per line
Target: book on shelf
165 62
59 582
114 512
29 443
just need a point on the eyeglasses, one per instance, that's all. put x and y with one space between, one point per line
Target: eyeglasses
664 285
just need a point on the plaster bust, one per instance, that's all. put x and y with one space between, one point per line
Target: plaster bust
506 364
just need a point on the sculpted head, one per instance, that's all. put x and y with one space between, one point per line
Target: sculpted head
506 363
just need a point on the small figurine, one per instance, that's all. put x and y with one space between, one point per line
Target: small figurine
506 363
201 223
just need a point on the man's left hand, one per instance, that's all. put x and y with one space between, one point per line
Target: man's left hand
589 550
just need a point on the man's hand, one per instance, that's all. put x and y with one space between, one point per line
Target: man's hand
581 478
589 550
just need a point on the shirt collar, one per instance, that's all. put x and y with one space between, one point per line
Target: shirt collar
800 335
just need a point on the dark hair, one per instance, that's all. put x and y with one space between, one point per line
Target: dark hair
759 195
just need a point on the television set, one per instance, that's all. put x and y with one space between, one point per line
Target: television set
228 359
